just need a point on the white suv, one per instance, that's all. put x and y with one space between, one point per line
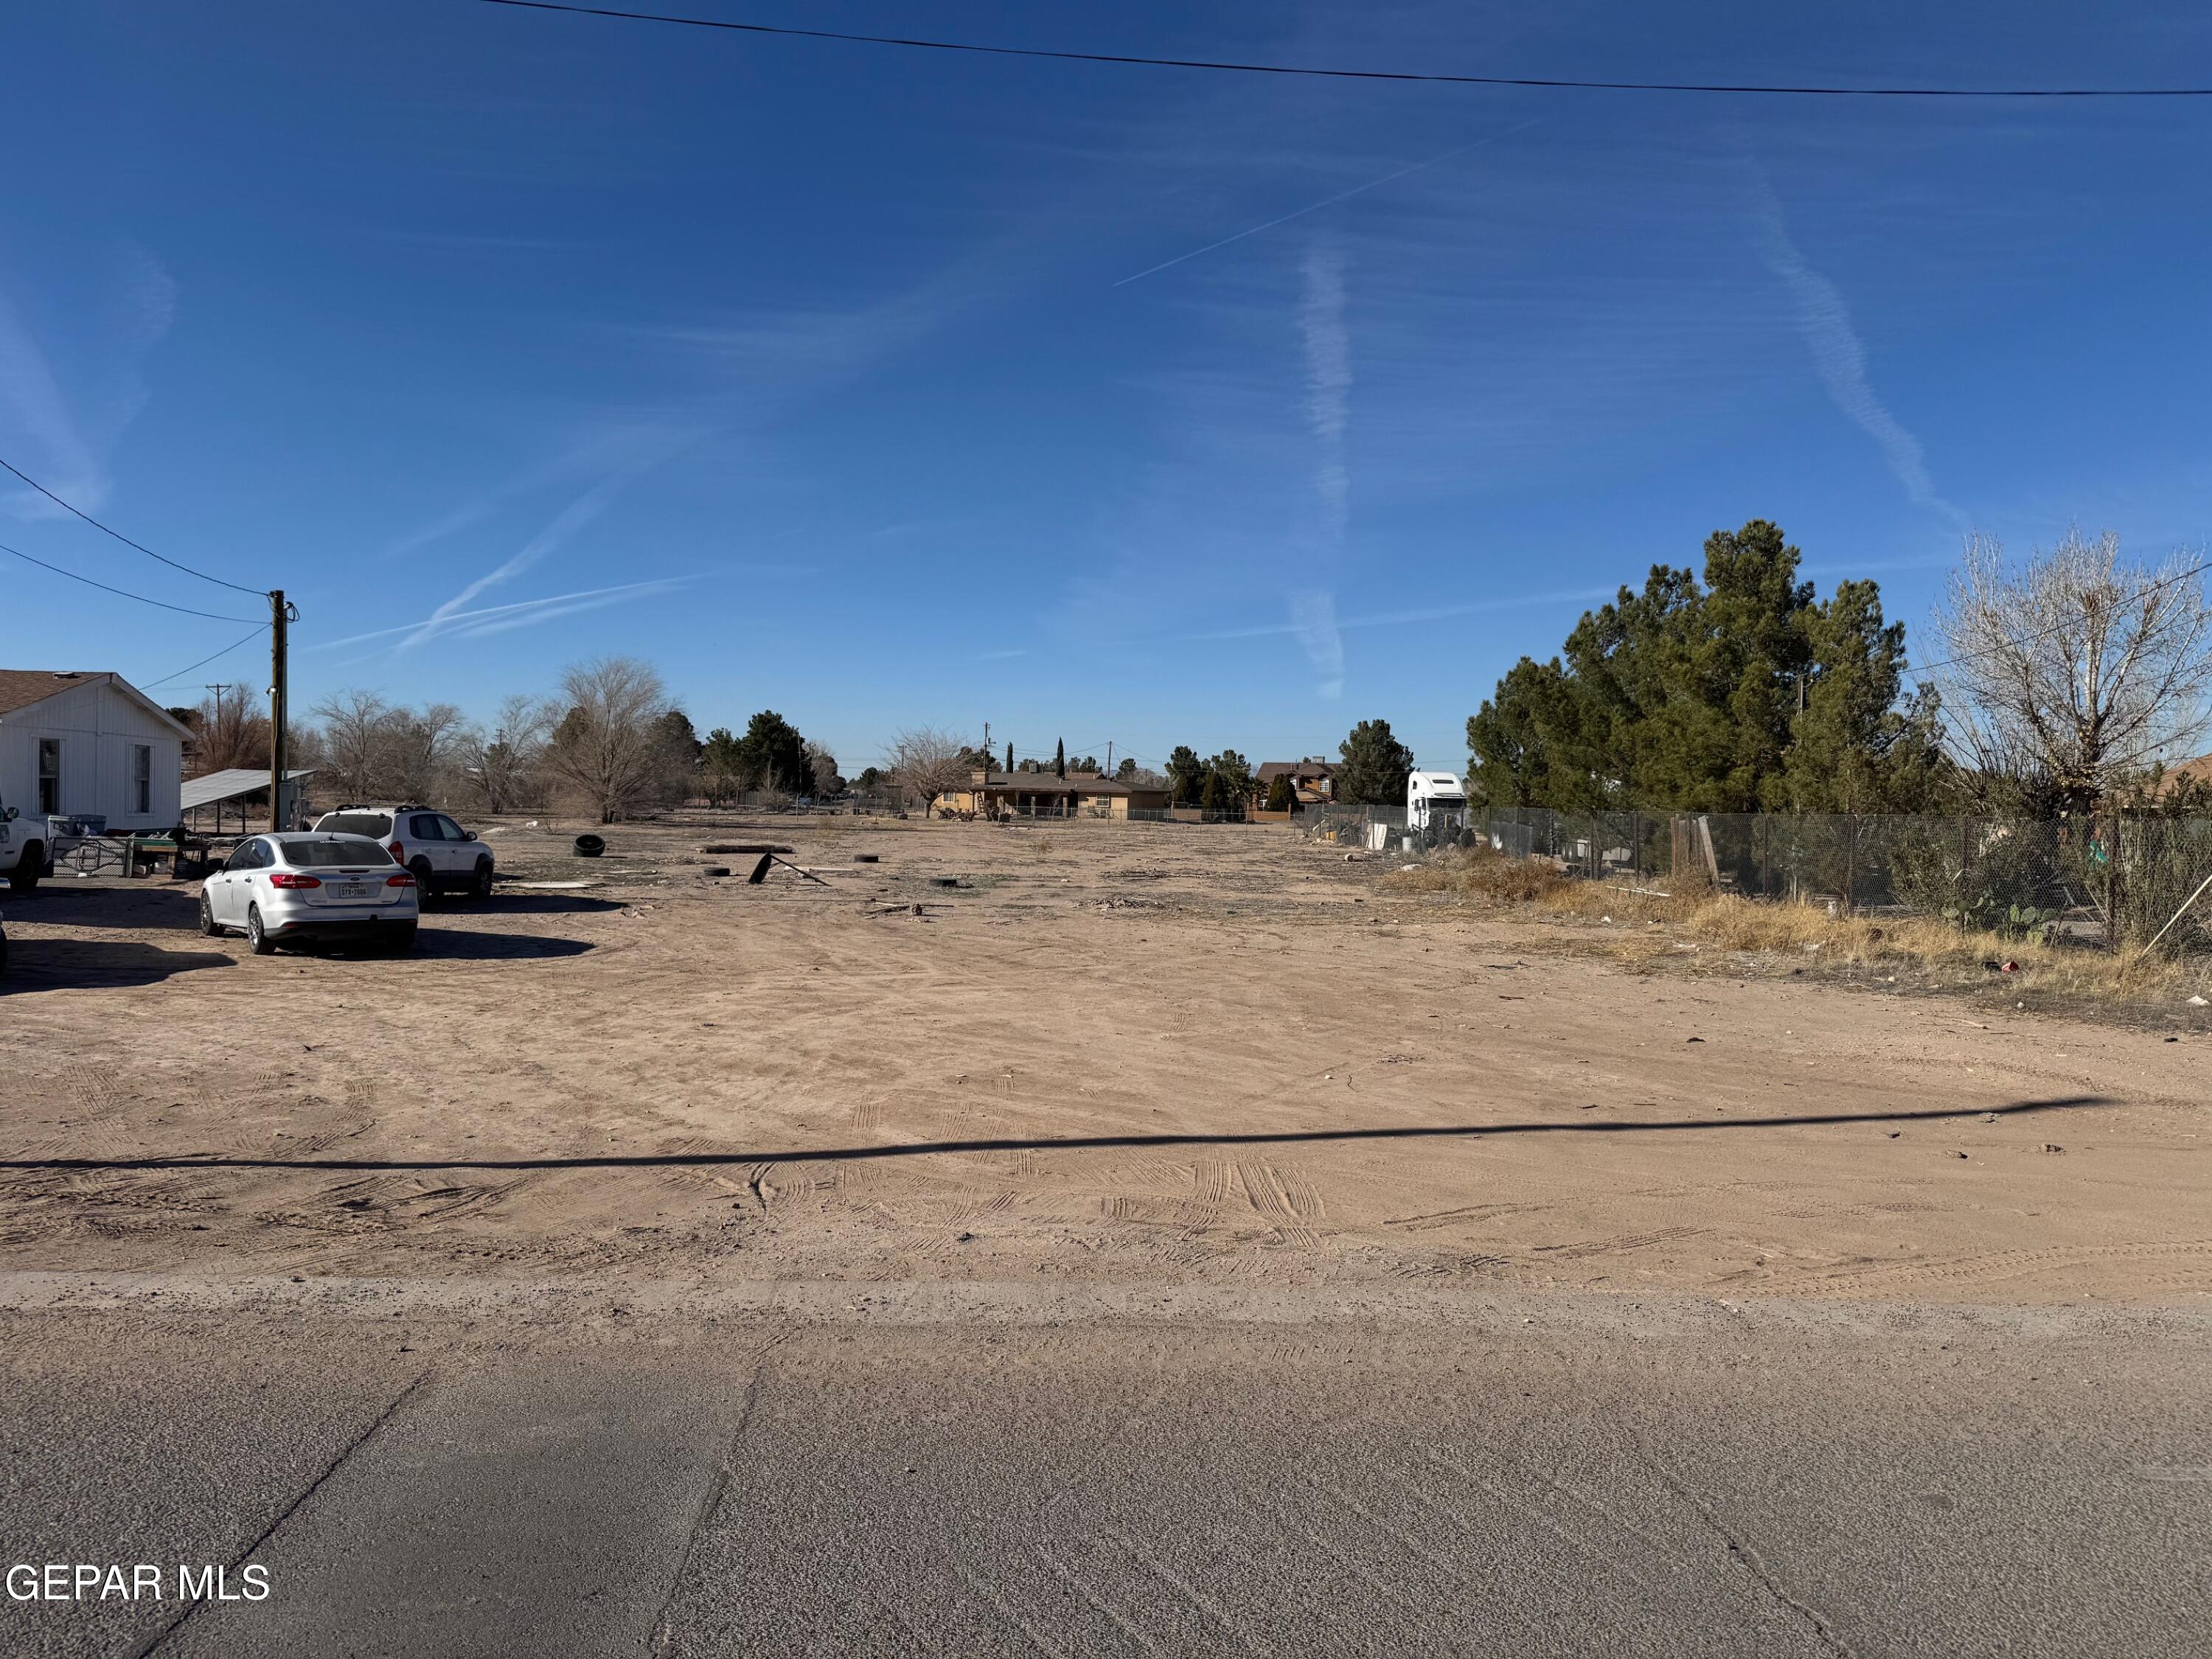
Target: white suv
441 856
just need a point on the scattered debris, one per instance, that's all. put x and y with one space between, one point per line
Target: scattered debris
769 859
2197 1002
2052 1146
1895 1134
590 846
945 881
867 858
1693 1039
743 847
1958 1155
710 872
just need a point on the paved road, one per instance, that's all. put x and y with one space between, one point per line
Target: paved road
1874 1484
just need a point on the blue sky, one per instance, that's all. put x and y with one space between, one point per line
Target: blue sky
884 387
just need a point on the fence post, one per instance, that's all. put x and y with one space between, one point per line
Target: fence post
1851 863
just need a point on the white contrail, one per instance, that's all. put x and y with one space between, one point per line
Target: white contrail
1824 321
1328 383
1313 619
1410 618
565 524
1342 195
462 618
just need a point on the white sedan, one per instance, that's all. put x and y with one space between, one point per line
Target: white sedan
280 890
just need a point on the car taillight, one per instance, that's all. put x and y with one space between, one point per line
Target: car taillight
403 879
399 852
286 879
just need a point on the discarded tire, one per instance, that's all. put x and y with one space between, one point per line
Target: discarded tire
945 881
865 857
715 870
590 846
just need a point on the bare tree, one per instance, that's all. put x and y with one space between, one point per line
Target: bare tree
356 727
824 765
502 764
229 732
2072 674
607 747
927 762
420 750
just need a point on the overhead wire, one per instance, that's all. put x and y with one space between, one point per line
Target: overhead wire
120 537
122 592
260 629
1228 66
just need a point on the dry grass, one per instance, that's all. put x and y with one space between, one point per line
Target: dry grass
1478 872
1646 926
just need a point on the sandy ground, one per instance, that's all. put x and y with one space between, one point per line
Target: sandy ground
1136 1055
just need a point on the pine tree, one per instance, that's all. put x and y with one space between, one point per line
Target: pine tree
1010 755
1059 758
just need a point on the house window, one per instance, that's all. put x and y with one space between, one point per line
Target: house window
50 774
141 779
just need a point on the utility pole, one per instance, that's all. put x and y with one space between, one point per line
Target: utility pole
279 613
1110 758
987 749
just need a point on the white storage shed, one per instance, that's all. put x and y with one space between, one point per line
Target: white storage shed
90 745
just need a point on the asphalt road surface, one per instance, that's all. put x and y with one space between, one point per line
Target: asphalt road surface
1665 1481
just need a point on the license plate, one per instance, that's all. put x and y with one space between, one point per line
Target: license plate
352 890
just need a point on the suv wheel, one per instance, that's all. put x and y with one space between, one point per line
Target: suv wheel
257 937
425 882
480 884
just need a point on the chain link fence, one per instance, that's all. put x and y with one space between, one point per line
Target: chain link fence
2120 879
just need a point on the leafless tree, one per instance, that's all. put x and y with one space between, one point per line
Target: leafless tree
607 748
927 762
420 750
824 765
356 727
502 764
2074 672
228 731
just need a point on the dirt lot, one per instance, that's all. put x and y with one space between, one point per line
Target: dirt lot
1113 1055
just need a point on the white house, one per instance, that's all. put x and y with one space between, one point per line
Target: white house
90 744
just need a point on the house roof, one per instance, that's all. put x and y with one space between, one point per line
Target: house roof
1269 771
21 687
1049 783
2196 771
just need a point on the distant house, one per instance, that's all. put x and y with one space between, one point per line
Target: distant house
2197 772
1313 780
89 744
1046 795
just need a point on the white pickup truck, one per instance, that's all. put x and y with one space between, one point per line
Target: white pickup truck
24 854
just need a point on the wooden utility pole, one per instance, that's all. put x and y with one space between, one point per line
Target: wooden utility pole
279 613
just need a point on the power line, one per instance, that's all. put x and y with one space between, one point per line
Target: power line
1544 82
120 537
2031 639
121 592
150 684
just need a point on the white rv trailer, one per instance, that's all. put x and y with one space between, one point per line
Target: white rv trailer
1433 798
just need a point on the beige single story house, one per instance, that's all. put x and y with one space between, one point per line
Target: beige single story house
993 794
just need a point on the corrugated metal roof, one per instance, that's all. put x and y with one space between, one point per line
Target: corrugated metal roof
230 784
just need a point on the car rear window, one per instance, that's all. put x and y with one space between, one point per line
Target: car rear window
303 854
357 824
